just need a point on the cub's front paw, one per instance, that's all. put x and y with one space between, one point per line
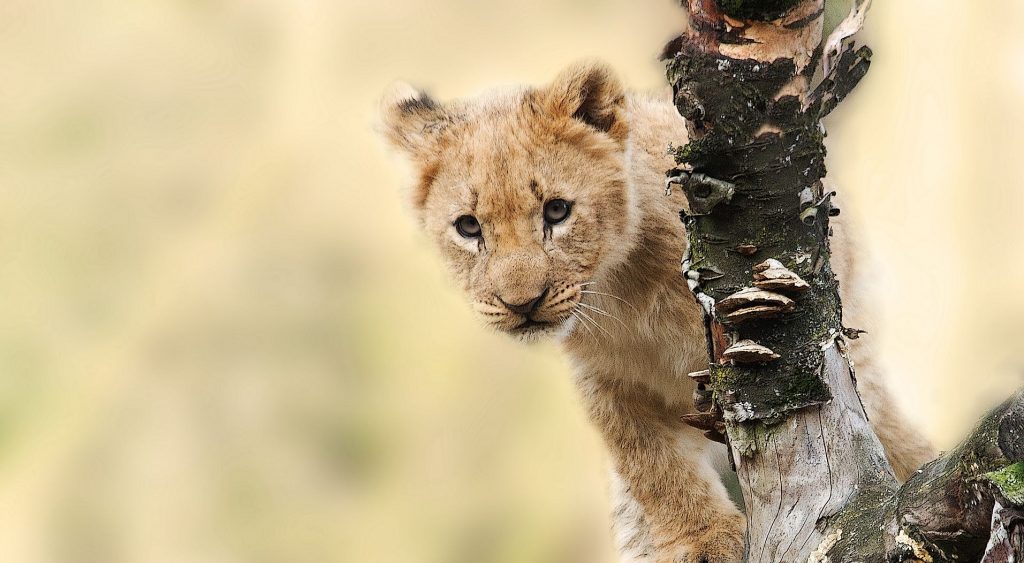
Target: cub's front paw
723 542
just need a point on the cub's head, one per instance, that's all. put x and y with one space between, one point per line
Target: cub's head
524 193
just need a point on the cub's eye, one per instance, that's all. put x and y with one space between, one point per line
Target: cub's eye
468 226
556 211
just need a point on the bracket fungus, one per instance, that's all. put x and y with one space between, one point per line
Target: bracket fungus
710 422
754 303
772 275
702 376
749 352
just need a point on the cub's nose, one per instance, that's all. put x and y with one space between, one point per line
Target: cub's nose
527 307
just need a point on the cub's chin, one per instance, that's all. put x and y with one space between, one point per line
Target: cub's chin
530 331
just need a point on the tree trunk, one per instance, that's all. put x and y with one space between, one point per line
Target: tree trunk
754 79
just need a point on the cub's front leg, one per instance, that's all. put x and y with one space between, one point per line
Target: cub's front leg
670 506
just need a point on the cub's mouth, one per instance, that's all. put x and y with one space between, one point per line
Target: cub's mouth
551 312
531 329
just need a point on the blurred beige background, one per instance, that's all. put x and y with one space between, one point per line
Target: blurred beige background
223 340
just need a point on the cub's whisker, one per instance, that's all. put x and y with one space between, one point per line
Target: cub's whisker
595 323
605 313
588 291
582 322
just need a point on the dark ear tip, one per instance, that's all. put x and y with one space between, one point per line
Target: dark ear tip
596 74
420 104
409 119
400 98
594 94
600 120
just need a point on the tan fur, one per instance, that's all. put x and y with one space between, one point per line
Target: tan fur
615 295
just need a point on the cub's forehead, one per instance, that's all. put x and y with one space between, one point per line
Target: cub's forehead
496 102
494 170
491 122
503 157
495 136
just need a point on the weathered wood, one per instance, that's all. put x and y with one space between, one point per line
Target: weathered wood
943 512
805 469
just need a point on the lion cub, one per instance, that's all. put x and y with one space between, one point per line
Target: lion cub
548 206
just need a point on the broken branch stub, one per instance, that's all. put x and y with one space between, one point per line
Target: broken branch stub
702 192
1006 538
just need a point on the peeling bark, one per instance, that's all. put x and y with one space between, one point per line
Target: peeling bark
754 80
1006 542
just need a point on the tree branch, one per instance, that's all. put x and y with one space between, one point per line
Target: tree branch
815 479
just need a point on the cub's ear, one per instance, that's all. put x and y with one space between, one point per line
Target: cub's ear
411 120
589 92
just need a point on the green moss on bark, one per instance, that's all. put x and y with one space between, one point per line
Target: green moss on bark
947 505
1010 482
862 539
